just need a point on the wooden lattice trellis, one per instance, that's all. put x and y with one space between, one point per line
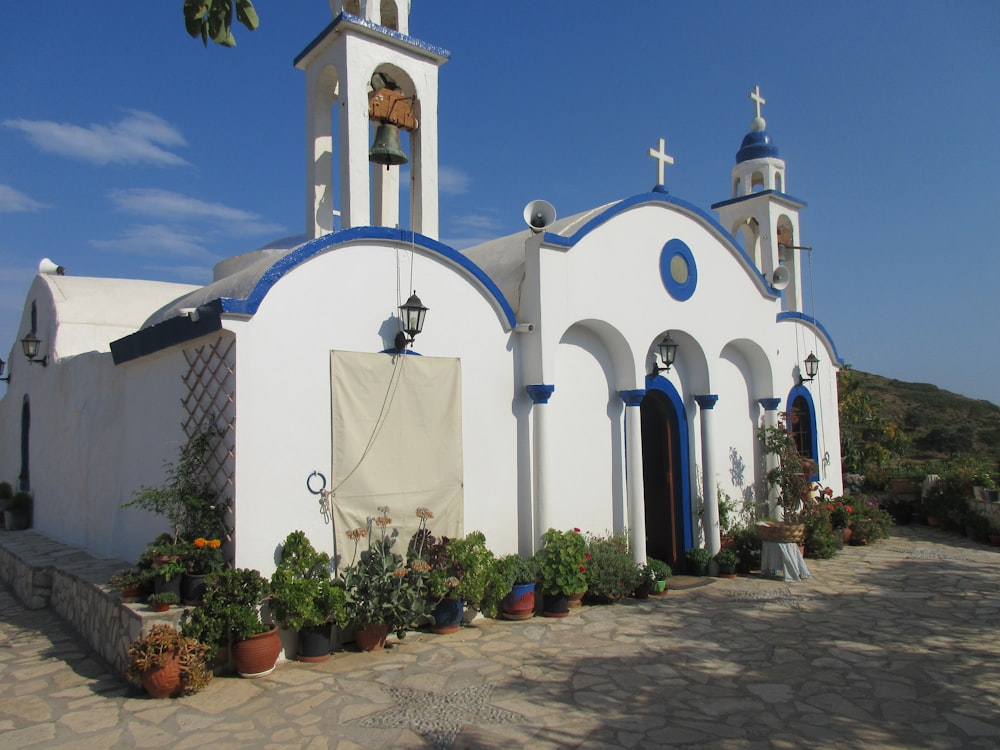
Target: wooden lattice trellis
210 381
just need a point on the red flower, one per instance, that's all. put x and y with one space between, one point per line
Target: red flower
583 568
576 530
586 555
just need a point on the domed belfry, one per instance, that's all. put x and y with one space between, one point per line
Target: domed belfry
760 215
382 85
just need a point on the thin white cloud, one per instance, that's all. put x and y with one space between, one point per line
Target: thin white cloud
477 221
166 205
453 181
138 138
14 201
157 240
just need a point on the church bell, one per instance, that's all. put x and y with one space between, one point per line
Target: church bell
386 148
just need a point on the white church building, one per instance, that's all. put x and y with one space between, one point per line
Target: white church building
527 401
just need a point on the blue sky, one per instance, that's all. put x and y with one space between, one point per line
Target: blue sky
128 150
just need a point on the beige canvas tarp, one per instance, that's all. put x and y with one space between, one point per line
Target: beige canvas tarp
397 442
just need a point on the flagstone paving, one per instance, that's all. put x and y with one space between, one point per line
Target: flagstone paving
890 646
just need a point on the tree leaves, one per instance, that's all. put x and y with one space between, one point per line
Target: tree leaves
213 19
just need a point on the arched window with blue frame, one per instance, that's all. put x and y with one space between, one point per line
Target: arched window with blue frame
801 423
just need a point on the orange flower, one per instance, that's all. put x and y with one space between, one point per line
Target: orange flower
200 542
214 544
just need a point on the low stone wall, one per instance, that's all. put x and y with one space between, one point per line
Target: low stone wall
990 510
44 573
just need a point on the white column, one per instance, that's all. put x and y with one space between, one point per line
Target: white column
710 515
633 473
541 482
770 406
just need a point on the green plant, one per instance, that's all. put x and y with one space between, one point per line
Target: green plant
698 556
230 609
870 523
726 558
728 510
163 643
611 571
561 562
518 570
20 501
203 556
168 598
645 575
748 546
187 498
303 594
821 539
660 570
6 493
787 476
128 578
381 586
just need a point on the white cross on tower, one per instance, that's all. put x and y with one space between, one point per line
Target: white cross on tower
662 159
757 99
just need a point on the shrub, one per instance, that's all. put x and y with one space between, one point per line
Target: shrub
611 572
821 539
562 562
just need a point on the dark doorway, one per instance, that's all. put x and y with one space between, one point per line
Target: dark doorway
664 479
24 478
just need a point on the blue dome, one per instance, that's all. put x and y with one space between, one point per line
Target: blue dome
756 145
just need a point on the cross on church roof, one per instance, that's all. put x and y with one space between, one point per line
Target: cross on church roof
662 159
757 99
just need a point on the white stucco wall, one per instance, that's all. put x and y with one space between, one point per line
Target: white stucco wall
343 299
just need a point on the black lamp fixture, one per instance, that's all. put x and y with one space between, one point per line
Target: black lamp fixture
30 344
411 313
812 367
667 349
2 366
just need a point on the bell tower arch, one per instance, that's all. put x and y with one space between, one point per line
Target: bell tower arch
364 72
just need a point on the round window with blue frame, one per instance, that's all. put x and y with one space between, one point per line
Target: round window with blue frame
678 270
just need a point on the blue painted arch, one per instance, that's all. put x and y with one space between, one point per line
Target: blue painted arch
800 391
250 304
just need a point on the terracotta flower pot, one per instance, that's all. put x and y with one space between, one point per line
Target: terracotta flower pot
257 655
163 681
519 604
371 637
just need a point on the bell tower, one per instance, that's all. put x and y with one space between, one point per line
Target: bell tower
367 79
760 215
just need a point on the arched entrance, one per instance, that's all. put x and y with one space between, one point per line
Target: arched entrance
665 475
801 419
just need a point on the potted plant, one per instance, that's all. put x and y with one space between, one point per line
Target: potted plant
164 563
789 480
164 601
385 592
698 558
167 663
187 499
132 585
201 558
748 548
304 597
229 616
561 569
611 573
519 575
726 560
17 512
660 573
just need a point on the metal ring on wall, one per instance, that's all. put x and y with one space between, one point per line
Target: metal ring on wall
309 483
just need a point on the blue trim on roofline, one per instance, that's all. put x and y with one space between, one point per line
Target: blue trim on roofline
304 252
371 26
661 196
815 324
776 193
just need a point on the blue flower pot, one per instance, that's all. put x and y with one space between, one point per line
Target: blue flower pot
447 616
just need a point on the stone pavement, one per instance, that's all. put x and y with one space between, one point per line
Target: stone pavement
890 646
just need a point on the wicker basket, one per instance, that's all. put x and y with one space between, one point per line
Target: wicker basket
777 531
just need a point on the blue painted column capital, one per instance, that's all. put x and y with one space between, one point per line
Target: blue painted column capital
539 392
707 401
633 397
769 404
